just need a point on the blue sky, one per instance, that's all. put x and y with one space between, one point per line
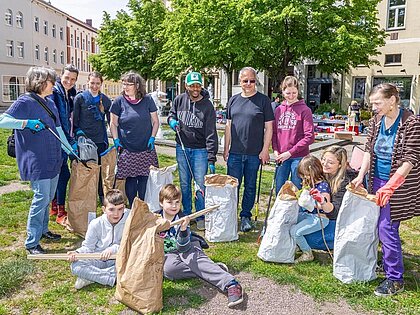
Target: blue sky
90 9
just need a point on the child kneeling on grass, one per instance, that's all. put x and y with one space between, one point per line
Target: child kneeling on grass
103 236
184 257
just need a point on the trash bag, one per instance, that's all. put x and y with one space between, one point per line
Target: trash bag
277 245
140 260
88 151
306 201
221 225
158 178
108 164
83 192
356 237
316 241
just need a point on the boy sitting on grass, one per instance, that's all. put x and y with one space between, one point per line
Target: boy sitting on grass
103 236
184 257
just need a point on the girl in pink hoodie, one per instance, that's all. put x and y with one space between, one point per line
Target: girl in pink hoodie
293 132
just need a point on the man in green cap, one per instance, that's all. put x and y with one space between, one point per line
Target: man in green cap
193 118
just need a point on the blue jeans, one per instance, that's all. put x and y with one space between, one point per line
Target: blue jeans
246 166
63 180
198 161
307 224
288 167
38 216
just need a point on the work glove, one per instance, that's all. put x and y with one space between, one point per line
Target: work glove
35 125
117 143
212 168
151 144
385 192
316 195
80 133
174 124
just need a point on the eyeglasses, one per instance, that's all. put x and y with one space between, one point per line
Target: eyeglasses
248 81
127 84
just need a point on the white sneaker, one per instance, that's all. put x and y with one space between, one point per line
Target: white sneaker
81 283
223 266
201 225
306 256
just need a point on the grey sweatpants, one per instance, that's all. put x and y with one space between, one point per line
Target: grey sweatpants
99 271
195 263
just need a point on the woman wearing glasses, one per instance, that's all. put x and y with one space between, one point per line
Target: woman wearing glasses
134 124
293 132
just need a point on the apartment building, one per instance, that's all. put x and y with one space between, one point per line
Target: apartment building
399 61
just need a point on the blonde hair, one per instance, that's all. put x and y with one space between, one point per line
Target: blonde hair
169 192
310 166
336 179
290 81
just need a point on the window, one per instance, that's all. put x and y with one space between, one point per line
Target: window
8 17
72 60
36 21
311 71
71 40
77 42
55 56
9 48
359 89
37 52
54 31
12 87
402 83
62 57
46 27
46 54
393 59
61 33
20 50
83 44
78 63
19 20
396 14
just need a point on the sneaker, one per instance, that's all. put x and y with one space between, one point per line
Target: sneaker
389 288
246 225
235 295
62 220
223 266
201 225
54 207
36 250
81 283
306 256
51 236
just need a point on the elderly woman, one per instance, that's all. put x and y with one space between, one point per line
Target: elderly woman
134 124
38 152
392 157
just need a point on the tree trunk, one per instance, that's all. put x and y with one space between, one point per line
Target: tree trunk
229 83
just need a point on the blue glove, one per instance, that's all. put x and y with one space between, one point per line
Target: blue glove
75 148
35 125
212 168
117 143
174 124
151 144
80 133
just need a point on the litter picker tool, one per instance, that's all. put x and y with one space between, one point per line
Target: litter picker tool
65 144
269 203
80 256
196 186
257 210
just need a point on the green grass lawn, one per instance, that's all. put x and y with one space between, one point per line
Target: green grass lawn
48 287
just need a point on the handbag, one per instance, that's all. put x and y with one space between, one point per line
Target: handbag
11 149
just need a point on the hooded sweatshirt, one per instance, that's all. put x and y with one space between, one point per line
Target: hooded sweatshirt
197 122
293 129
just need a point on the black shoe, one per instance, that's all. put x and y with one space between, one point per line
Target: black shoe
51 236
246 224
389 288
36 250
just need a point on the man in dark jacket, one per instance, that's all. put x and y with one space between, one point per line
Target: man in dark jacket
193 117
63 95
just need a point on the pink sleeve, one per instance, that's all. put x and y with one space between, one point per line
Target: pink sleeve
274 138
308 133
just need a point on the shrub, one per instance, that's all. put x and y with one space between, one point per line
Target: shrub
326 107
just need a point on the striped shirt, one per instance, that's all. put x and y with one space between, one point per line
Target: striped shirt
405 200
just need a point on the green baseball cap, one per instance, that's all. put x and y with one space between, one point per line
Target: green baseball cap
194 77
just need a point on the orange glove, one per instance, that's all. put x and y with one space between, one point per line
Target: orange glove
316 195
385 192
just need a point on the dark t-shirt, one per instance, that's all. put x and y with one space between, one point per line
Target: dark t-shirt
248 116
134 123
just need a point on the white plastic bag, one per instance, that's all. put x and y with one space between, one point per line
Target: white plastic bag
356 239
306 201
158 178
277 245
221 225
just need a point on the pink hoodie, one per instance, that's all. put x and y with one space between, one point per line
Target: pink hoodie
293 129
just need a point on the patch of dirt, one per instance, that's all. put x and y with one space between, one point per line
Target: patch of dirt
12 187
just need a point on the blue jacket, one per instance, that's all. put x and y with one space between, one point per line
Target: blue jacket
64 104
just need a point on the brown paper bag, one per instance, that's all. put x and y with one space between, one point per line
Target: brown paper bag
83 192
108 163
140 260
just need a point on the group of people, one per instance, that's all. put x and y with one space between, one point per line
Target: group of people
391 158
